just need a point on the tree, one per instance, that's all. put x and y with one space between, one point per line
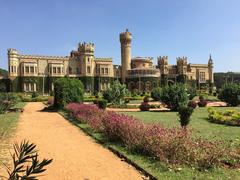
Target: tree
156 94
230 94
174 96
116 93
185 113
192 91
67 90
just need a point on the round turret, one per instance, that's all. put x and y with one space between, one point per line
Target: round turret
125 40
125 37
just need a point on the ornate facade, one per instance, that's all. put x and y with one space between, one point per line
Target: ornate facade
29 73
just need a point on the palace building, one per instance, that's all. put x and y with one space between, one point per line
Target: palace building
28 73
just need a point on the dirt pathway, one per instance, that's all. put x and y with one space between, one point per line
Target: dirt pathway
76 156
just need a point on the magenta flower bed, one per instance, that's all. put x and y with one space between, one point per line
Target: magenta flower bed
175 145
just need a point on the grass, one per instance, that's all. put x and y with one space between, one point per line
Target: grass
199 123
159 169
8 124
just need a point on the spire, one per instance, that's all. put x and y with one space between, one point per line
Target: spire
210 61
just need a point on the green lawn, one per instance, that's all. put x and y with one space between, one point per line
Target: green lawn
8 123
199 123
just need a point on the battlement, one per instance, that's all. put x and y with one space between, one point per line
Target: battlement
126 37
182 60
86 47
162 60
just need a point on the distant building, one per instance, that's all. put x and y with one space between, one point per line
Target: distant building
28 73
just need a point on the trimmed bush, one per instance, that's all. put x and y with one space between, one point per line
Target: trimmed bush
230 94
144 106
102 104
67 90
202 103
35 94
185 113
229 117
156 94
192 104
174 96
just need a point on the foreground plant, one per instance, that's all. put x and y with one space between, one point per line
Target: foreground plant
26 164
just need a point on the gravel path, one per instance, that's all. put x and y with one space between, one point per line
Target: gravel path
75 155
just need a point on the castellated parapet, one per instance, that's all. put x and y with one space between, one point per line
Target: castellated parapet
86 48
182 60
162 60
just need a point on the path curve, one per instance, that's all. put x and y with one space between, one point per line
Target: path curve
75 155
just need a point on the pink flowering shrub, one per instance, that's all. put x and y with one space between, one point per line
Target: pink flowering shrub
170 145
85 113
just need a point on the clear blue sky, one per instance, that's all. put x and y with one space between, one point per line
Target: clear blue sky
192 28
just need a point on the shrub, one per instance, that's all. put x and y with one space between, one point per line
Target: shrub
35 94
144 106
230 94
116 93
156 94
146 99
126 100
192 104
102 104
202 102
7 101
192 92
230 117
174 96
185 113
67 90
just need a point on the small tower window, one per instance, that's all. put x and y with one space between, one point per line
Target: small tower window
88 70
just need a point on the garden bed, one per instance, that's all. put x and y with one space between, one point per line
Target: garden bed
150 163
229 117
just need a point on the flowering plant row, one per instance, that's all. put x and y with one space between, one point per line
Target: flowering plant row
174 145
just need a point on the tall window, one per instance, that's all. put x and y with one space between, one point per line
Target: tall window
102 70
106 70
59 70
29 87
202 77
54 70
88 70
27 69
31 69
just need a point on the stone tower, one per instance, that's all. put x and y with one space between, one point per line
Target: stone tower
182 65
125 40
13 63
86 64
163 64
210 70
